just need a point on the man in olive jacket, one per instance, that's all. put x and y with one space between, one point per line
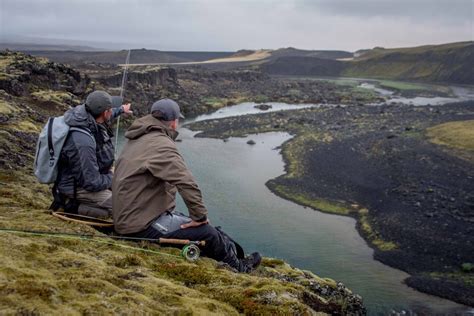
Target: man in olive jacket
149 173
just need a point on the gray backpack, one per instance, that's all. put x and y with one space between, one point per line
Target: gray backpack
49 146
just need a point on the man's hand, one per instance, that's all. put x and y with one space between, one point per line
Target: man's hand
194 224
126 109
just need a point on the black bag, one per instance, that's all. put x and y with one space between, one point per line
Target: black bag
60 201
239 251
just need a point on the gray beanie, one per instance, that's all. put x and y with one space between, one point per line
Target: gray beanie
100 101
169 109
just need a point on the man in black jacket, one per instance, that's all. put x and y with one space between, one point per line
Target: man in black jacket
85 166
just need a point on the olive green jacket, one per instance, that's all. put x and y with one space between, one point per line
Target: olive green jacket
147 175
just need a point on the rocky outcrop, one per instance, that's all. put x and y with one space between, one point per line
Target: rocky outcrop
21 71
263 107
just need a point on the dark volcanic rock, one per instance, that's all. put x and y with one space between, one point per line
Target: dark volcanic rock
263 107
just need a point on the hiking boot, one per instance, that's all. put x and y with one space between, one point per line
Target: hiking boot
245 265
252 261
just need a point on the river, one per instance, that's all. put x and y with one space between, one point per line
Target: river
232 177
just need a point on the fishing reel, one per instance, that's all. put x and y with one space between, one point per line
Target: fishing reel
191 252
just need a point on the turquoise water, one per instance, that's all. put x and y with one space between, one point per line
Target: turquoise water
232 177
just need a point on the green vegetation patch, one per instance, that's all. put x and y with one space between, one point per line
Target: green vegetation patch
326 206
7 108
458 134
295 148
372 235
214 102
344 82
57 97
456 276
467 267
5 62
398 85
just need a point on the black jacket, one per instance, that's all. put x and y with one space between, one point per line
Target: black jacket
85 159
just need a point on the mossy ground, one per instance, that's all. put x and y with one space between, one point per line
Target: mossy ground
59 98
62 274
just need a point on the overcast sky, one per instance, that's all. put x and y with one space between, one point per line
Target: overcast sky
229 25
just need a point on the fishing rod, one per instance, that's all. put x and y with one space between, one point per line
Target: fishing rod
190 251
124 76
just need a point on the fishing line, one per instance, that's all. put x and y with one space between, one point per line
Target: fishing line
94 238
124 76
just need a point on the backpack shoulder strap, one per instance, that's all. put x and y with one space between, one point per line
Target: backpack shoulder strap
84 131
50 137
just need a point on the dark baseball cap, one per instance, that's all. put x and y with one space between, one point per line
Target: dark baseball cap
100 101
169 109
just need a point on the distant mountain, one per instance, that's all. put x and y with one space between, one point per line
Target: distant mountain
45 47
325 54
137 56
450 63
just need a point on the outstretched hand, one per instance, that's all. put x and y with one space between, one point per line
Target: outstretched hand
194 224
126 109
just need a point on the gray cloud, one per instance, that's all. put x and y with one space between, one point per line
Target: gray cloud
452 11
232 25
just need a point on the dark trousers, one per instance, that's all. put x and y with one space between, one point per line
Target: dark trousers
216 244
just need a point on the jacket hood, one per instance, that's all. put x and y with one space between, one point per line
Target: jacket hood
148 124
79 117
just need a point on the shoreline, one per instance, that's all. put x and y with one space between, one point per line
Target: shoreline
388 248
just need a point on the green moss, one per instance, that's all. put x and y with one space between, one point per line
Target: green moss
261 98
372 235
26 126
322 205
215 102
344 82
16 193
5 62
272 262
456 276
57 97
7 108
467 267
128 260
398 85
294 149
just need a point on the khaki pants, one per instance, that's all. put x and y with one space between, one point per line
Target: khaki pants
94 204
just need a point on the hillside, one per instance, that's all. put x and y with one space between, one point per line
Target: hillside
304 66
448 63
324 54
435 63
78 274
